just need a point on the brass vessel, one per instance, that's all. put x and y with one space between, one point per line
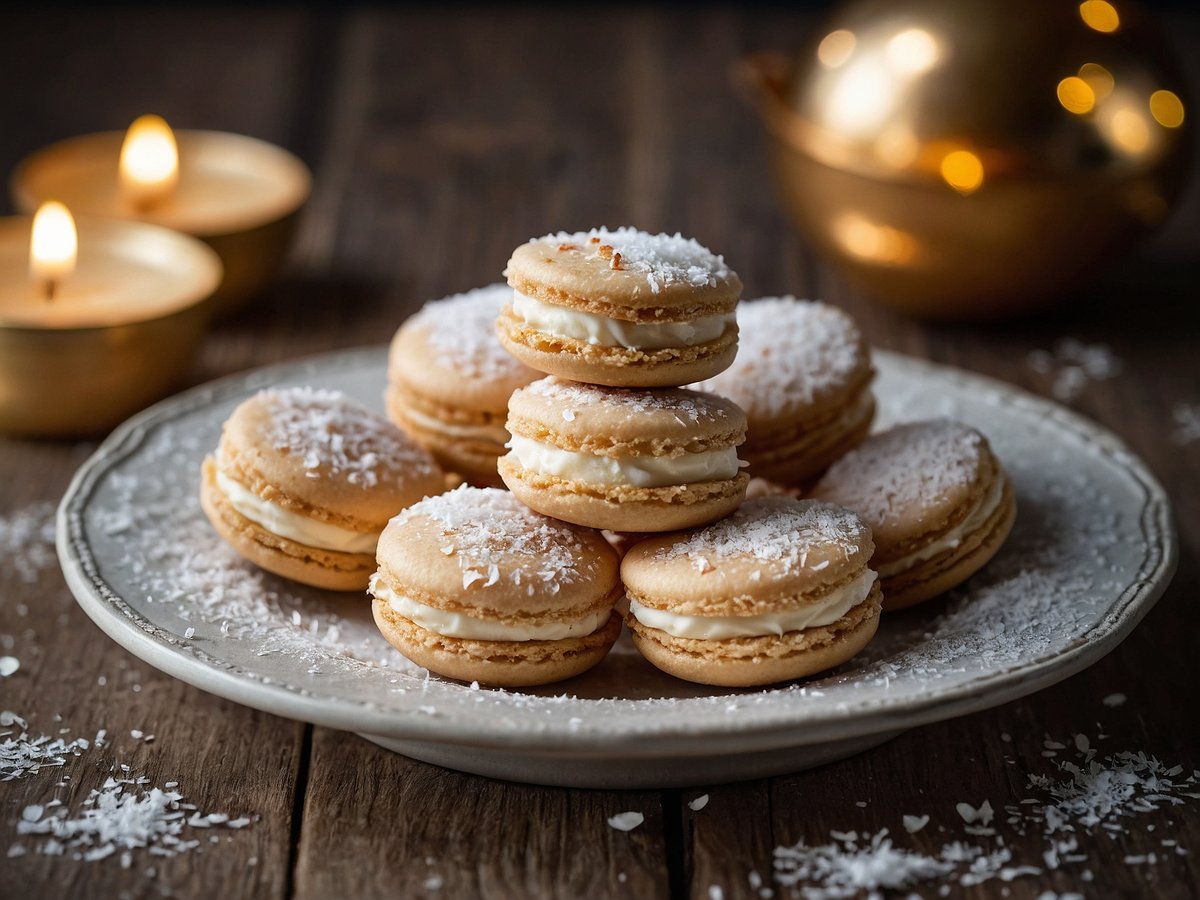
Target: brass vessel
973 159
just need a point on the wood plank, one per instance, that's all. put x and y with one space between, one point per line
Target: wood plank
377 824
84 71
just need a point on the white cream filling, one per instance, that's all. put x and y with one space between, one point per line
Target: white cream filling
293 526
494 433
720 628
953 537
560 321
635 471
457 625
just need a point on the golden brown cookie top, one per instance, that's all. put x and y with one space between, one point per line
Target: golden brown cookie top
913 480
796 360
774 553
449 353
616 421
317 448
624 267
484 553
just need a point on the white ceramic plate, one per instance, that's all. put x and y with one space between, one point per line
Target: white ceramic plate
1092 549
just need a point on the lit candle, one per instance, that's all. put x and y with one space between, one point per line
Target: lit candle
98 317
240 195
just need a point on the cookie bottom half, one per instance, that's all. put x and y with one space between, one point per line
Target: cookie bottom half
752 661
500 663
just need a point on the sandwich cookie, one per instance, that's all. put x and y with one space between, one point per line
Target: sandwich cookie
779 590
936 499
622 308
304 481
625 460
803 376
449 381
475 586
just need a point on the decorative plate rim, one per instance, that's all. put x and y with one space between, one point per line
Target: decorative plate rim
164 650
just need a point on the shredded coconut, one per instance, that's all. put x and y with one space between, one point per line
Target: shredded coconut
909 467
663 259
1073 365
699 803
487 528
27 541
119 818
337 438
626 821
462 329
22 754
8 665
774 529
691 405
1186 418
792 354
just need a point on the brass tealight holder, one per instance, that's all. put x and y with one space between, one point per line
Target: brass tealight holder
88 338
240 195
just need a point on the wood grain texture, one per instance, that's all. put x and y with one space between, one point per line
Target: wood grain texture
440 140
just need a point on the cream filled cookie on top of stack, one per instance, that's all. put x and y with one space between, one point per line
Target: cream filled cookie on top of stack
621 307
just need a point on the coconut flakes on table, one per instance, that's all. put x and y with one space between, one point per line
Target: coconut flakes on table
27 541
118 818
22 754
1074 365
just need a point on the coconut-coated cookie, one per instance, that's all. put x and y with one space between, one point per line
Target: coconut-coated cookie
621 307
303 482
622 459
778 590
803 375
475 586
936 499
449 380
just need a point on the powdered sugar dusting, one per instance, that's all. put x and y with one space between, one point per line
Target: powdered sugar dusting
337 438
791 354
776 529
488 530
691 406
663 259
462 329
905 468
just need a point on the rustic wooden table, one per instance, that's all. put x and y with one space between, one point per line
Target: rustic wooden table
439 141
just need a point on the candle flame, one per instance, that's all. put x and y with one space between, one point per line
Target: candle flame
53 246
149 165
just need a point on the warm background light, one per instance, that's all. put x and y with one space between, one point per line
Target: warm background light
1076 95
1167 109
149 166
1099 15
835 48
963 171
53 245
1098 78
913 50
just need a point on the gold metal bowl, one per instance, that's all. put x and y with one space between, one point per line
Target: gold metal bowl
974 159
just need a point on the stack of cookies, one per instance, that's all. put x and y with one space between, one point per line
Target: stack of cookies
603 385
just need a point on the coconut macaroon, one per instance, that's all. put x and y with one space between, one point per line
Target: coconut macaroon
449 380
625 460
803 375
938 502
475 586
778 590
303 482
622 308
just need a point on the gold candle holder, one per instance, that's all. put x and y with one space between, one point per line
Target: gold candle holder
240 195
85 344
